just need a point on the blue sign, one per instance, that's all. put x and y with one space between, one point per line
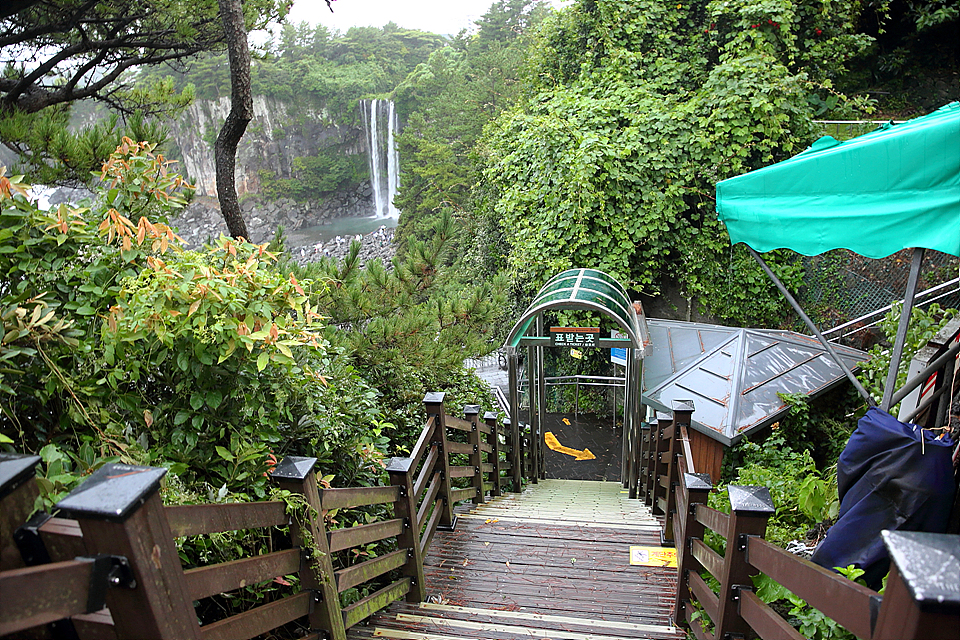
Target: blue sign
619 355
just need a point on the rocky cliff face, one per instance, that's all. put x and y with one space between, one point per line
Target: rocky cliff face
277 135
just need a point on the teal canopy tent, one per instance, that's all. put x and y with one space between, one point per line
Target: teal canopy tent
895 188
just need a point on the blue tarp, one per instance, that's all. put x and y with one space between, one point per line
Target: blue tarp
888 478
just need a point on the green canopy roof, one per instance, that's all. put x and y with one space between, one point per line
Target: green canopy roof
895 188
588 289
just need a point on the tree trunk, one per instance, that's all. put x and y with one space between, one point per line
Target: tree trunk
241 113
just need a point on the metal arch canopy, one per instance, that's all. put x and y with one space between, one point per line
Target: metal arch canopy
587 289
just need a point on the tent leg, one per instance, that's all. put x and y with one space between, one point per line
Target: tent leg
905 312
807 321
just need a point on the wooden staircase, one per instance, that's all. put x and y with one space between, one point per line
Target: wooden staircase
552 562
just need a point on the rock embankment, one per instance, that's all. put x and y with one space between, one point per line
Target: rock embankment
376 245
202 222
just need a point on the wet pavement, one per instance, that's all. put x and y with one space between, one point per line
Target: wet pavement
583 432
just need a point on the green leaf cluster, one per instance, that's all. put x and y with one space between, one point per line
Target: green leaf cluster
923 326
117 345
638 109
446 101
408 326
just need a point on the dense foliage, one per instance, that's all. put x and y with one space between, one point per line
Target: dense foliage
119 345
639 108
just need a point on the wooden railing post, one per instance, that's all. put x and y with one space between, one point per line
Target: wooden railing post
18 490
433 403
750 508
471 413
922 598
694 489
682 411
401 475
121 514
296 474
657 448
490 418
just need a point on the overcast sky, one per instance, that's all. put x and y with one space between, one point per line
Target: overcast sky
437 16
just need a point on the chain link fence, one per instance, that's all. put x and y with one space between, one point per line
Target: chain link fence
841 286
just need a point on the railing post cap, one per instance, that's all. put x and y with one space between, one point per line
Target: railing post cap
471 409
697 481
434 397
293 468
929 564
663 416
15 469
490 415
747 500
113 492
399 465
683 405
507 421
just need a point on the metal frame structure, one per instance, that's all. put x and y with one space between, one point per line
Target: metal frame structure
578 289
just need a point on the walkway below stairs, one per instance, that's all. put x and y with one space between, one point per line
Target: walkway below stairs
552 562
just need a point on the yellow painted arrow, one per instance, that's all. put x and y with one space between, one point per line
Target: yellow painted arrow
555 445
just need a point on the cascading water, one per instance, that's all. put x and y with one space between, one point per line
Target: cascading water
380 118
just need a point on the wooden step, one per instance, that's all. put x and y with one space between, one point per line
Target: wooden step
550 562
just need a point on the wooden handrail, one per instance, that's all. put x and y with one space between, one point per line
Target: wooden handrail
360 573
712 519
687 452
352 497
65 587
363 609
765 621
422 442
421 496
459 447
847 602
259 620
463 471
204 582
341 539
459 424
428 502
426 473
196 519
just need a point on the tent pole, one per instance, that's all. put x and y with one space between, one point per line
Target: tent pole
807 321
905 312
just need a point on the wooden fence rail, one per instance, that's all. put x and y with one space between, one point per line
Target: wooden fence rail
114 572
921 601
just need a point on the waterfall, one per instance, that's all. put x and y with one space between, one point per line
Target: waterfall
380 117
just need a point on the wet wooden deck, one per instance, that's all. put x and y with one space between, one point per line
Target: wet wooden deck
552 562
